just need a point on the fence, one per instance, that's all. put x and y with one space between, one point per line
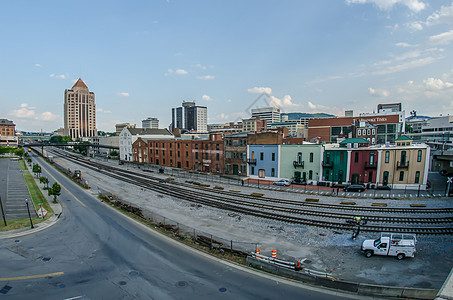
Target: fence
324 190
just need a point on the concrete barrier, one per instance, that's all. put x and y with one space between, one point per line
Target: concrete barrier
353 287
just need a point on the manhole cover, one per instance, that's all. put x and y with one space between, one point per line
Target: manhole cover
122 282
182 283
307 261
46 259
222 290
133 273
17 241
5 289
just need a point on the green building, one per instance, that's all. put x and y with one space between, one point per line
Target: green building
301 162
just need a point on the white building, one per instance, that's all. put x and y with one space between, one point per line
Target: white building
152 123
269 114
129 135
108 141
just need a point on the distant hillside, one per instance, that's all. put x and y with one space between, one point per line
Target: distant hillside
297 116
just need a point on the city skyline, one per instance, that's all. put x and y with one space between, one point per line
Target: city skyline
144 59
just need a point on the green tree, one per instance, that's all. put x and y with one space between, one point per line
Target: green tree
113 153
44 180
19 151
59 139
36 169
82 147
55 191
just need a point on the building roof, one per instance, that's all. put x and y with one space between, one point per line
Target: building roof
80 84
404 138
148 131
355 141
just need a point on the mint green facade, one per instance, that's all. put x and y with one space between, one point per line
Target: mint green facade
304 158
335 166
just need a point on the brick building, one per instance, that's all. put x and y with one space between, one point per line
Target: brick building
7 133
388 127
236 154
199 155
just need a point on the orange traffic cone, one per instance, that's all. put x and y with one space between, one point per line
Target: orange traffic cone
274 253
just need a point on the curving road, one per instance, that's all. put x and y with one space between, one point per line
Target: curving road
94 252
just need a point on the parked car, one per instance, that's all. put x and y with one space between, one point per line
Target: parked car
354 188
284 182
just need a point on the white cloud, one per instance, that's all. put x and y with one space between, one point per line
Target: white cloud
260 90
443 16
62 76
101 110
443 38
413 5
24 112
206 98
177 71
123 94
206 77
415 26
378 93
38 65
48 116
437 84
286 101
407 65
404 45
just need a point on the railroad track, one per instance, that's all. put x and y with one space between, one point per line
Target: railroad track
267 208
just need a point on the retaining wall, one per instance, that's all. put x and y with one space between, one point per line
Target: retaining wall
349 286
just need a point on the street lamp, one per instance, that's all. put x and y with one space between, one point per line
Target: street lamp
28 209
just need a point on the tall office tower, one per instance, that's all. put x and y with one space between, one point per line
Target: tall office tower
190 117
79 111
152 123
269 114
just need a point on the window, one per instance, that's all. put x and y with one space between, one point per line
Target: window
417 177
311 156
217 156
371 158
341 156
310 174
217 147
273 156
387 157
359 132
419 156
356 157
187 164
196 155
272 172
261 156
196 146
401 175
299 157
253 171
206 156
403 157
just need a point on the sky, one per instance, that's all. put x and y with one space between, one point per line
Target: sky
141 58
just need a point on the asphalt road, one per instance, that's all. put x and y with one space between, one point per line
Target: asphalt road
94 252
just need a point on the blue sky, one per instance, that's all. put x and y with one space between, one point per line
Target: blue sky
141 58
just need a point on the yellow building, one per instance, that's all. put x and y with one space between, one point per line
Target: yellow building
403 165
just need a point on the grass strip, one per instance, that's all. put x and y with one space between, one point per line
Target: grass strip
36 195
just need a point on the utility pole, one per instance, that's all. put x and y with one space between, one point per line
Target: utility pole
3 213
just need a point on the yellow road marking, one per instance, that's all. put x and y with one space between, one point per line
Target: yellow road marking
31 276
63 187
